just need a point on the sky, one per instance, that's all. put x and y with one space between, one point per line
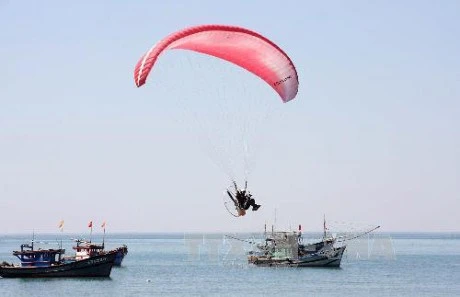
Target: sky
372 137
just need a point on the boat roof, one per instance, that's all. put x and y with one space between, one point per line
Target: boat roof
39 251
88 247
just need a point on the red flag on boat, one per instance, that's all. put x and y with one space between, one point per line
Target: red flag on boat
90 225
103 225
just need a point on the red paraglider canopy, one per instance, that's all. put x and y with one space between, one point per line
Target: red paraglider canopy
237 45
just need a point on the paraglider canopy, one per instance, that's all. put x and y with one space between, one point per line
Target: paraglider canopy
237 45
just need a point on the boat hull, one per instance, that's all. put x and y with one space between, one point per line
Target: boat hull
98 266
121 253
314 260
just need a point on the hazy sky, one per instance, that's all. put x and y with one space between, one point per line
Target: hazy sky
372 137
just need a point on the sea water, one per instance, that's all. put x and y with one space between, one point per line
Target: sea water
400 264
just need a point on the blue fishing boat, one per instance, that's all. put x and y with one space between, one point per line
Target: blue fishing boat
51 263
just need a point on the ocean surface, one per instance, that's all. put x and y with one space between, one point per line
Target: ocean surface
400 264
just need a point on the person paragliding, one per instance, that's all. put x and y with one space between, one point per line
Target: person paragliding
239 46
242 199
247 201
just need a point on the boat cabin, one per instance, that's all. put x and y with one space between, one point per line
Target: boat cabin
85 250
282 245
38 258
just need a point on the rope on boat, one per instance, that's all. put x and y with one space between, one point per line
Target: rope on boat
359 235
239 239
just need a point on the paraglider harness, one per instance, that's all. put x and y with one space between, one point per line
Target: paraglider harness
243 198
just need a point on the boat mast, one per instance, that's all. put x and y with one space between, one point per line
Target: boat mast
33 239
324 227
103 237
299 236
274 224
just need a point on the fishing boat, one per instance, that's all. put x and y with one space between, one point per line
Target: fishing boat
86 249
51 263
287 249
